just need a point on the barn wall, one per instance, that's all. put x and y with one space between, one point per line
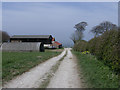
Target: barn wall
17 46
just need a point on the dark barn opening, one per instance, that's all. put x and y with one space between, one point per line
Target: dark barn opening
42 47
45 39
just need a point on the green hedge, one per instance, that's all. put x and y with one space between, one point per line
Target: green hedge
80 46
106 47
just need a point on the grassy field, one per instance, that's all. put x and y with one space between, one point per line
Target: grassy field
15 63
95 73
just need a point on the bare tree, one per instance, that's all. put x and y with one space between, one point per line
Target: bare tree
76 36
4 36
73 37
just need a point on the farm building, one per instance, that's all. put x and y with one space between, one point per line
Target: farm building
30 43
23 46
45 39
56 44
46 46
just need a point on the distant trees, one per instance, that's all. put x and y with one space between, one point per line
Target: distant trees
78 34
97 30
103 27
4 36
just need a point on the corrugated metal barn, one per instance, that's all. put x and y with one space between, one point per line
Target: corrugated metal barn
23 46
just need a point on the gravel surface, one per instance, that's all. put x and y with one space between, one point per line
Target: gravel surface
67 75
33 78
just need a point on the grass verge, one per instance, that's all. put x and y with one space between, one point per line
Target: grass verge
16 63
95 73
51 73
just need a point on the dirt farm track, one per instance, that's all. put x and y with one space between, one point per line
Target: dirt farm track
66 75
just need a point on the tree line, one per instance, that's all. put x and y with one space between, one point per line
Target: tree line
105 45
4 36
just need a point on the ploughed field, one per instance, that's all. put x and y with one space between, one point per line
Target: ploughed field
16 63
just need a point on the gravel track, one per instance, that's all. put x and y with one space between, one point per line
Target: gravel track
67 75
33 78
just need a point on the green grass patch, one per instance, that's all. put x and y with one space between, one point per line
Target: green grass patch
16 63
95 73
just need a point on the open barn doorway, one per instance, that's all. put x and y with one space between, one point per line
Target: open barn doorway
42 47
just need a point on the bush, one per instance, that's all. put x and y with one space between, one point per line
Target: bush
80 46
106 47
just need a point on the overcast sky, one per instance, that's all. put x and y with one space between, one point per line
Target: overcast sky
57 19
0 20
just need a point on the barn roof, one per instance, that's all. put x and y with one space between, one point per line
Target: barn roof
31 36
58 43
18 46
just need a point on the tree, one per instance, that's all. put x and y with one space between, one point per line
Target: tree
103 27
81 26
108 26
4 36
97 30
78 34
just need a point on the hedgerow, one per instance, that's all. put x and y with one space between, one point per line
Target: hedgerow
105 47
